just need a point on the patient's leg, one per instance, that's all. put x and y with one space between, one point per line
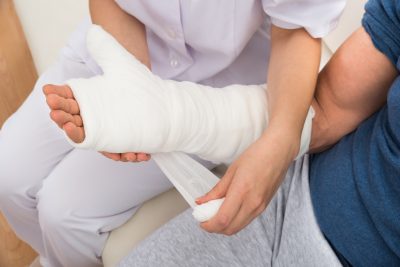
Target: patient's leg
130 109
285 234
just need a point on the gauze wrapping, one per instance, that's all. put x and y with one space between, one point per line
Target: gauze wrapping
128 108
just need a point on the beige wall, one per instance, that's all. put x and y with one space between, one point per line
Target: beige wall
47 25
350 20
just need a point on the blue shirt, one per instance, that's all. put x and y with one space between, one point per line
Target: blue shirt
355 186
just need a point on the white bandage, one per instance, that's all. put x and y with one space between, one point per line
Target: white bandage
128 108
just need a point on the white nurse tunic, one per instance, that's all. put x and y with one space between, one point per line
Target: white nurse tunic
221 42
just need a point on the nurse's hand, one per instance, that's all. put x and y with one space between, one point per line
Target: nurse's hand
65 113
250 183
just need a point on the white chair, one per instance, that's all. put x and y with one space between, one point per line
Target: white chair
47 25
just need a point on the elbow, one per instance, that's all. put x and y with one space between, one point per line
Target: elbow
330 125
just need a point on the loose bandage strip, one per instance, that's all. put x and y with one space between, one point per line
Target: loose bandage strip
128 108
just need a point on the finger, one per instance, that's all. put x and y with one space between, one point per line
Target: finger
57 102
61 90
220 189
76 134
123 159
113 156
142 157
61 117
246 215
228 211
129 157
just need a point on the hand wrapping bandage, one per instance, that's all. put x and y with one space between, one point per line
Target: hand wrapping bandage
128 108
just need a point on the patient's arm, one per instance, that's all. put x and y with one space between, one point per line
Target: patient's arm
352 86
130 109
129 31
131 34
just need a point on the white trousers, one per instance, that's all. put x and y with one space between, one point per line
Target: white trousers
60 200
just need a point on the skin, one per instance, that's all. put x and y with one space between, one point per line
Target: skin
351 87
345 95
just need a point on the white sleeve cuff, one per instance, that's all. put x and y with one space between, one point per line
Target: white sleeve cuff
316 32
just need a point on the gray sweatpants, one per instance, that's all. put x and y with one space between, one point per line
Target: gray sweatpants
285 234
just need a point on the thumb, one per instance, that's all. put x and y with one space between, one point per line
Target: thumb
108 52
220 189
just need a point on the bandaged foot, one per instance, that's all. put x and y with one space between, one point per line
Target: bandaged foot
128 108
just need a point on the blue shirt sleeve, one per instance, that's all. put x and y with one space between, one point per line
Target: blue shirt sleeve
382 22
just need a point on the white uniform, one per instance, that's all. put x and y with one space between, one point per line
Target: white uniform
64 201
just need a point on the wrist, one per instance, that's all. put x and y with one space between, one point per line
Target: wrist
281 140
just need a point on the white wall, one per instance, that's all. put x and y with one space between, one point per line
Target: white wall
350 20
47 25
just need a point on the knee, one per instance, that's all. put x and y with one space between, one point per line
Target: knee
59 215
12 171
54 219
26 154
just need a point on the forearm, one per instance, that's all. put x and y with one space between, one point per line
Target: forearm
292 76
351 87
129 31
